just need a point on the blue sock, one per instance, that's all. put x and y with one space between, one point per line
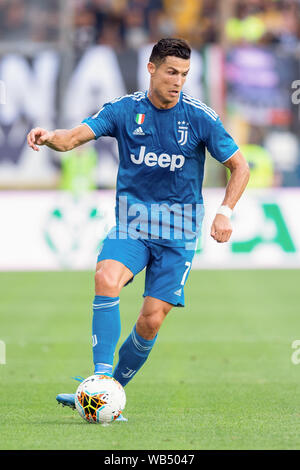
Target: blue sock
132 355
103 369
106 328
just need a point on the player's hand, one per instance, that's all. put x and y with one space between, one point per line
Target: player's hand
38 136
221 229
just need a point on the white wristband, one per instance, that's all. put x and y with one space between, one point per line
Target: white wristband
225 210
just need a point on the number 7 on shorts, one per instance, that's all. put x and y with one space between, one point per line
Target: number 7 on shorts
188 264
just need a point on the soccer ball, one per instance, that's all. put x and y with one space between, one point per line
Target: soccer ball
100 399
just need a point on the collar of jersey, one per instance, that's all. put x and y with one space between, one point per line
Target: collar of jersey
164 110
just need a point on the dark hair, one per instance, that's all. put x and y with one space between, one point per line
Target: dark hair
170 47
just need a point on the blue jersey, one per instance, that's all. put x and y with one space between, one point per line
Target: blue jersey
162 155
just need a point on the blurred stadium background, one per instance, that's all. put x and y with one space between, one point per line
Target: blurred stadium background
61 60
224 372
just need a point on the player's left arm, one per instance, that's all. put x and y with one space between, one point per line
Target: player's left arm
221 229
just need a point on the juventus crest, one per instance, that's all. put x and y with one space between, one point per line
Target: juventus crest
183 132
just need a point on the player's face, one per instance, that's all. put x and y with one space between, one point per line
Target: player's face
167 80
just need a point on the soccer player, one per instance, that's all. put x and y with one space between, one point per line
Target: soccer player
162 135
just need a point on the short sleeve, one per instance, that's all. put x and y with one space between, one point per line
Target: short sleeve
102 123
219 143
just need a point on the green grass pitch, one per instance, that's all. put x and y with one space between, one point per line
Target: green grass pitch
220 375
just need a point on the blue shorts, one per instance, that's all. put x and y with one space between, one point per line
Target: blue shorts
167 267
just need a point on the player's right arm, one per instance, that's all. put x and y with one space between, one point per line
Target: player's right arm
60 140
103 123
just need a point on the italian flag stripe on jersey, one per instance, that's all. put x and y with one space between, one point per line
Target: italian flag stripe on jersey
140 118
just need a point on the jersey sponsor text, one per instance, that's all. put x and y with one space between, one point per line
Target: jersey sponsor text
164 160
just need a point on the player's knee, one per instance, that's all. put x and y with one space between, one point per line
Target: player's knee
149 323
154 322
107 283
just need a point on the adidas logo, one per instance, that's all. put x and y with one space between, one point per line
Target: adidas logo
138 131
178 292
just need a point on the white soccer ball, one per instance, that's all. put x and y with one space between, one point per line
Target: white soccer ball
100 399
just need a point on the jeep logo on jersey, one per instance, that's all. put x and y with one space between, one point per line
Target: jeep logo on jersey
164 160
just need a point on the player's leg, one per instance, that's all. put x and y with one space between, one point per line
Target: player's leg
166 276
118 261
110 277
137 347
151 317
